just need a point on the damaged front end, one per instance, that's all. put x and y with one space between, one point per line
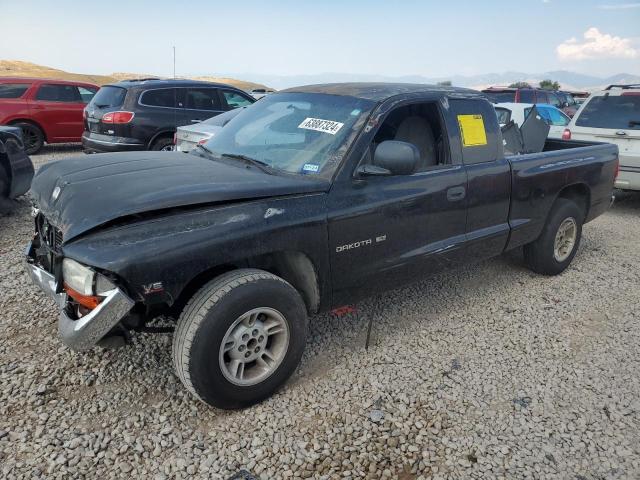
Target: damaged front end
90 303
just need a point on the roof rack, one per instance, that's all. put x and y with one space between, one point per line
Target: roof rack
140 79
629 85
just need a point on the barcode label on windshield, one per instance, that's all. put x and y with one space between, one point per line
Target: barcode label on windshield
320 125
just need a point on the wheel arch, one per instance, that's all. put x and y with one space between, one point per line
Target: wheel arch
580 194
32 122
160 134
293 266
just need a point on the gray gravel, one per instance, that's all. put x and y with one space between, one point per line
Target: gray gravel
487 372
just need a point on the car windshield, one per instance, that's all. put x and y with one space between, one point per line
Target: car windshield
611 111
301 133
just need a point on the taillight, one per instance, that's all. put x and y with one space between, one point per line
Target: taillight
117 117
175 138
566 135
84 113
617 169
203 141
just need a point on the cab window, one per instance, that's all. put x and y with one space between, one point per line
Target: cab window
421 125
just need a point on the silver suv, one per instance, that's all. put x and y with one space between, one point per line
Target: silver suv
613 115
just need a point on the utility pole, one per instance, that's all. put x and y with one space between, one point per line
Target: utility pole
174 62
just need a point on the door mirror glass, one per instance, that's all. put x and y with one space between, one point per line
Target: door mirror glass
399 158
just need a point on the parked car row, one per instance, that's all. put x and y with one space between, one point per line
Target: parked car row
559 99
46 110
144 114
134 114
518 112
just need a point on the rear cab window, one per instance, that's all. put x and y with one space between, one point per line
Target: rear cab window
13 90
109 97
621 112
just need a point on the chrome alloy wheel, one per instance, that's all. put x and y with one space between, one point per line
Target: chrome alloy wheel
565 239
254 346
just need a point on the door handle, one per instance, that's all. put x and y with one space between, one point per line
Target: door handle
195 120
456 193
621 133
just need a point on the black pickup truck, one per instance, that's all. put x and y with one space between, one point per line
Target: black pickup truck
308 200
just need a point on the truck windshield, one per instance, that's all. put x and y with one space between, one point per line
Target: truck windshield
301 133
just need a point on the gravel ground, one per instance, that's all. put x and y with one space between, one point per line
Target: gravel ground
487 372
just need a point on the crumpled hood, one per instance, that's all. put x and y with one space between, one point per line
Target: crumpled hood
82 193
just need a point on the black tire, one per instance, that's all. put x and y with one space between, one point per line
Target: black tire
32 136
540 255
206 320
4 184
162 144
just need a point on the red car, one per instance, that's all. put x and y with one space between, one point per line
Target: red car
46 110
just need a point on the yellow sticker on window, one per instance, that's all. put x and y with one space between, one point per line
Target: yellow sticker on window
472 130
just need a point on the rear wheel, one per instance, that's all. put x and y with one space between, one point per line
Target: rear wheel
163 144
558 243
32 137
240 338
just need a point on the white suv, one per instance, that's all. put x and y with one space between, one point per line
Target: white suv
613 115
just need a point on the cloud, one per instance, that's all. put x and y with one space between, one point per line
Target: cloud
619 6
596 45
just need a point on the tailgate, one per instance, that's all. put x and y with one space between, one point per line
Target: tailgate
628 142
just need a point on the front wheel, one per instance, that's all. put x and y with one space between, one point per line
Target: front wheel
558 243
240 338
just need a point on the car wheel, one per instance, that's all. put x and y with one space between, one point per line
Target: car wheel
240 338
164 144
32 137
4 184
558 243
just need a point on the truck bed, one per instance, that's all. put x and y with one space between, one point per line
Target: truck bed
563 166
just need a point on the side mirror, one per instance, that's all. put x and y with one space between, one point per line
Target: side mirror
399 158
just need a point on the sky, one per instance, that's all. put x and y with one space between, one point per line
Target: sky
294 37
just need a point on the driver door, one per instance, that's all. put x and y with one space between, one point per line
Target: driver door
386 231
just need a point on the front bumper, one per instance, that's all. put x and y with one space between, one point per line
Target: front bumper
85 332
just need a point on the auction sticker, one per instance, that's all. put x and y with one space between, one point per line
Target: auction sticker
320 125
472 130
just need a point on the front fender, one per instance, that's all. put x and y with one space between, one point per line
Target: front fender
158 256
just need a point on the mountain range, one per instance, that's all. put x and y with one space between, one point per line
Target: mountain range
568 80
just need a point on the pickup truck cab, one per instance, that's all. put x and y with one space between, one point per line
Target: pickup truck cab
308 200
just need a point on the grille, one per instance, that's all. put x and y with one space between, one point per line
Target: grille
49 235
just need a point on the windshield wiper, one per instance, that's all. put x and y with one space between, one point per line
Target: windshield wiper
633 123
264 166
